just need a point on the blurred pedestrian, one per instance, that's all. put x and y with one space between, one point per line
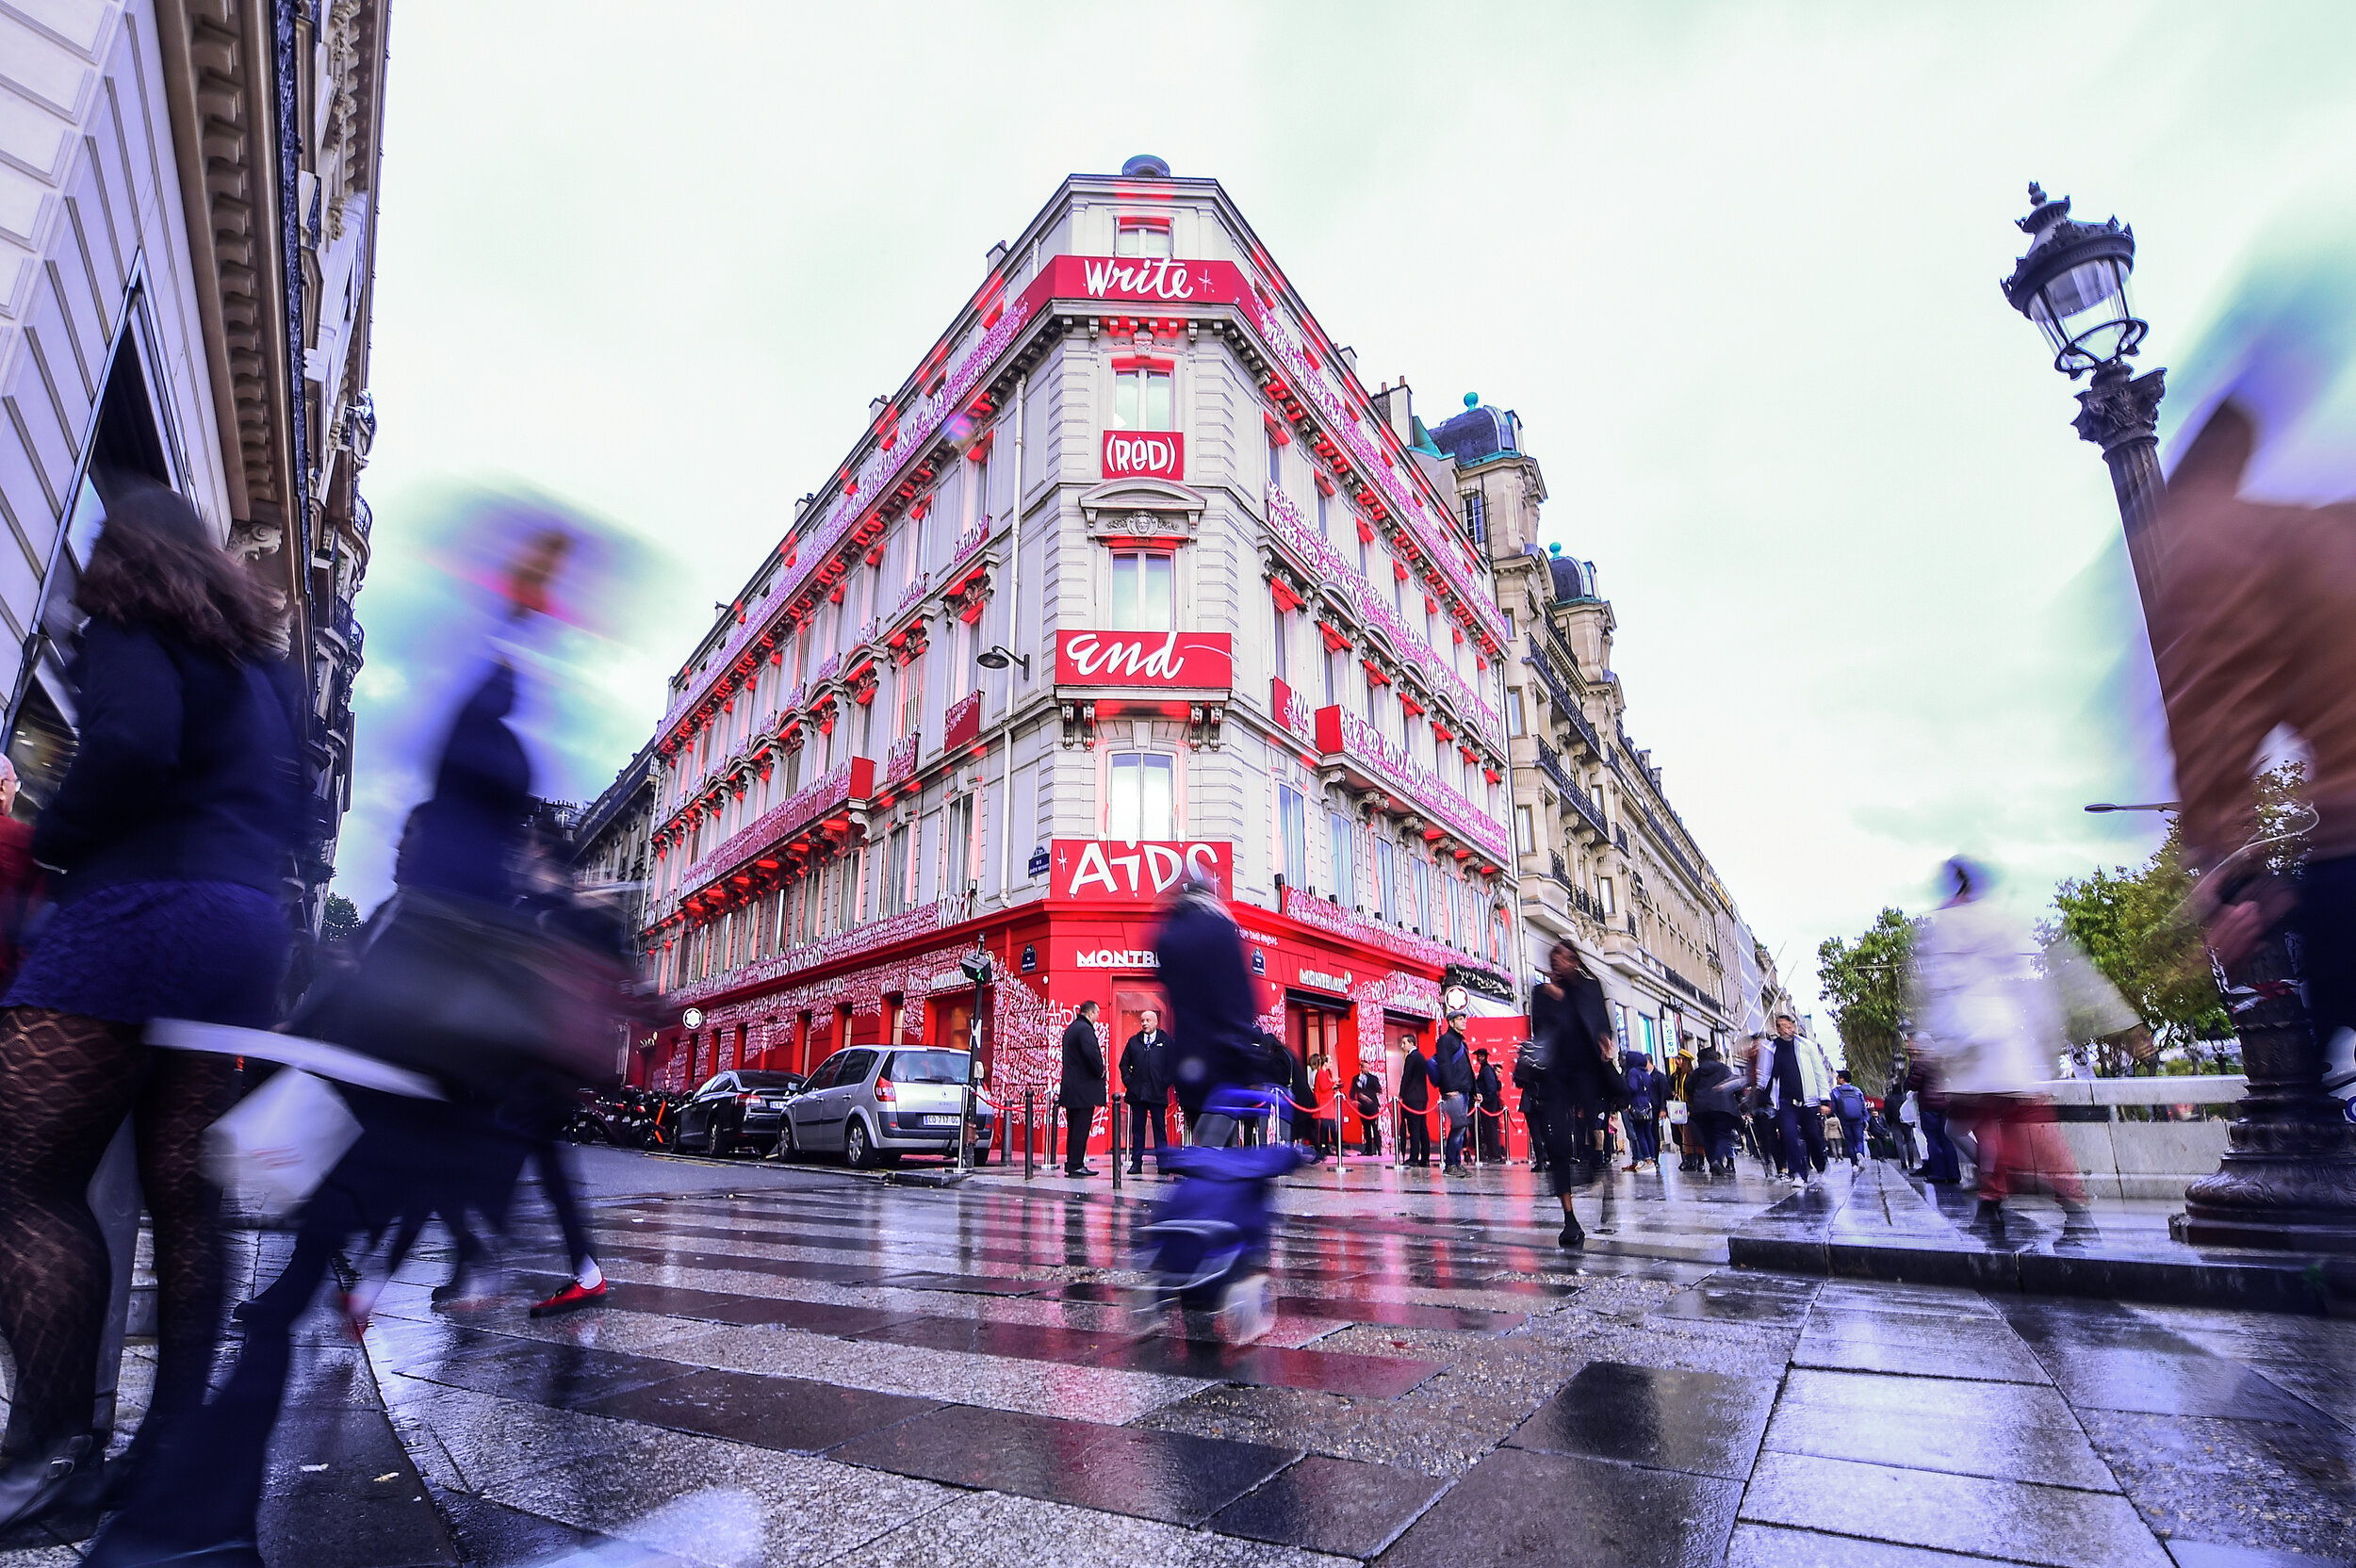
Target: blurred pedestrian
1848 1103
1145 1081
171 834
1645 1090
20 880
1690 1147
1327 1118
1715 1091
1997 1034
1758 1116
1528 1070
1416 1097
1579 1079
1081 1091
1214 1044
1452 1073
1792 1080
1489 1116
1365 1098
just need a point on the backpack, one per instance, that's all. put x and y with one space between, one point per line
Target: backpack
1527 1067
1848 1099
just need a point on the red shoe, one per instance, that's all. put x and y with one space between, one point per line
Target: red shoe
571 1299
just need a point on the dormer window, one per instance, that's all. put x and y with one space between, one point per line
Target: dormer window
1142 237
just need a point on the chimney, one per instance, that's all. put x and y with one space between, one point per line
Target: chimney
1396 403
1349 356
996 255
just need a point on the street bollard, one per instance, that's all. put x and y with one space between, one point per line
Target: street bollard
1030 1148
1115 1140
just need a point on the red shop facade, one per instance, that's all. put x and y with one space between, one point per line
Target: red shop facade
1332 984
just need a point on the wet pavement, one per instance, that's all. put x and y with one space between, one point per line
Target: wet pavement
802 1365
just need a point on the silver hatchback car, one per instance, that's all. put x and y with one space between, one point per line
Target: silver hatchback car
873 1103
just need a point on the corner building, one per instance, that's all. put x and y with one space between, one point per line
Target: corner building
1130 574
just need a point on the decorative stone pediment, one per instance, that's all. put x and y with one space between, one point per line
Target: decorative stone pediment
1127 509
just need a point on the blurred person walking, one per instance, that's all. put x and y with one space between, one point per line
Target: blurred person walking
1145 1079
1327 1088
170 833
1452 1074
1528 1072
1416 1097
1489 1118
1997 1033
1714 1091
1792 1084
1645 1090
1848 1103
20 879
1580 1082
1215 1043
1081 1090
1365 1097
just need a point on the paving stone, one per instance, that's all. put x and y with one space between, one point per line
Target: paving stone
466 1441
990 1529
2204 1553
1772 1547
2018 1431
1330 1505
1156 1474
1698 1422
1864 1343
1975 1515
1520 1507
792 1413
338 1481
2175 1385
496 1537
2257 1484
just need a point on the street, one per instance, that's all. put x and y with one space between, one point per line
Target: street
802 1364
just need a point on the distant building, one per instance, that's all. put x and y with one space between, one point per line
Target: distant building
185 283
1606 863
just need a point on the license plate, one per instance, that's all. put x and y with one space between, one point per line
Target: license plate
941 1121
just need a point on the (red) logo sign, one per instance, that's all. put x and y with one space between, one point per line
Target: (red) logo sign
1173 661
1144 454
1141 872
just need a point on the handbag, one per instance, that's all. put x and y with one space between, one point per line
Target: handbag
1678 1113
278 1144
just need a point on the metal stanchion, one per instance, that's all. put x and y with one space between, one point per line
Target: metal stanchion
1030 1143
1113 1139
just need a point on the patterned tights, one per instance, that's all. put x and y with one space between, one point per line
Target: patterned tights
66 1082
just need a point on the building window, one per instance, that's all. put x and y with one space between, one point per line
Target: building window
1275 462
1325 504
1142 237
1603 897
1143 799
1386 879
895 871
1141 400
1337 835
1333 678
1476 518
1525 831
958 869
1514 711
1142 592
1293 826
1279 650
1423 896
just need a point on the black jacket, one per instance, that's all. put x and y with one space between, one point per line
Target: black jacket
469 832
1083 1066
185 769
1365 1090
1572 1027
1707 1090
1415 1083
1145 1068
1451 1066
1201 955
1490 1088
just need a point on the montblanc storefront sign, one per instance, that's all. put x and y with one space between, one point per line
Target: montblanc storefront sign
1323 981
1480 982
1144 454
1116 958
1174 661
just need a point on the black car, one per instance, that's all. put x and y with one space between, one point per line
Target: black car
736 1110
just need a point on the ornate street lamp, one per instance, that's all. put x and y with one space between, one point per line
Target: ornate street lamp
2288 1176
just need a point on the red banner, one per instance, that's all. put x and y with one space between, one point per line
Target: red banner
1173 661
962 724
1094 872
1144 454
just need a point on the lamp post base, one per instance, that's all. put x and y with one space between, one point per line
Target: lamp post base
2288 1178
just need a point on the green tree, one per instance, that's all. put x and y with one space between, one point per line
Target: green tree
1865 983
2136 927
339 920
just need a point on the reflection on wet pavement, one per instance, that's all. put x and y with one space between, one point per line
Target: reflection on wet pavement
975 1373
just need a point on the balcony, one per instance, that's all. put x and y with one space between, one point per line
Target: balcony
1575 795
1371 760
823 806
1560 694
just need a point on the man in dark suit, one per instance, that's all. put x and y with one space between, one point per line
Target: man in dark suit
1415 1101
1365 1093
1145 1079
1083 1089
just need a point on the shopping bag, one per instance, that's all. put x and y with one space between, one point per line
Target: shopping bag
280 1142
1676 1113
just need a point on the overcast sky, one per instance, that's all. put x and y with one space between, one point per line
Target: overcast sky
1735 266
